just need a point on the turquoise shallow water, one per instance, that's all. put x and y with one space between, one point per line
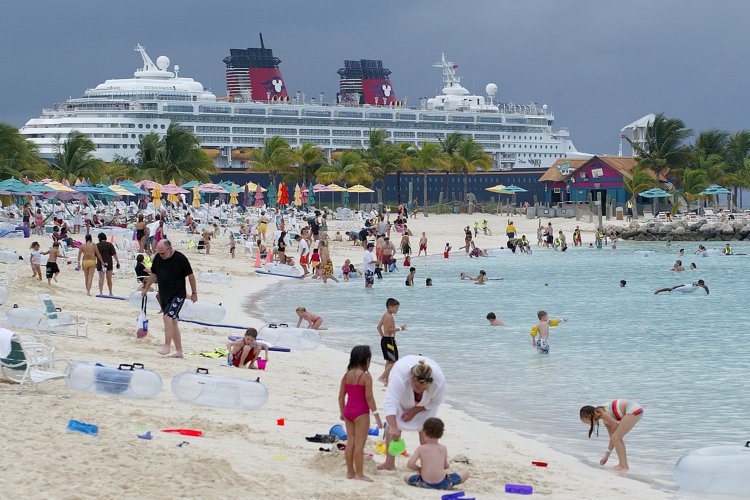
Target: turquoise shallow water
683 357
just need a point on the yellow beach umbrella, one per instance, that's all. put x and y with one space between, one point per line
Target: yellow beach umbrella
251 187
196 196
297 196
172 198
359 189
156 196
119 190
62 188
233 198
496 189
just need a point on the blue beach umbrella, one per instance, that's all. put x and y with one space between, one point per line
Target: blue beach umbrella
271 193
310 196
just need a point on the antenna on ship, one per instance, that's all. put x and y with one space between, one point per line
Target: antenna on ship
262 46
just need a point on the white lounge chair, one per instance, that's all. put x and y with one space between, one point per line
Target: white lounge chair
54 320
31 360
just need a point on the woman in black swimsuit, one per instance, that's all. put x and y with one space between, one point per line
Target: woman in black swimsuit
140 232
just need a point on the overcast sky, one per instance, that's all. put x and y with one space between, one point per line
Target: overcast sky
598 64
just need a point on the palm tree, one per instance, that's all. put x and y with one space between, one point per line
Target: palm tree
469 157
274 157
430 157
711 142
694 180
350 168
308 158
664 150
379 155
75 158
640 180
176 156
19 157
449 146
737 151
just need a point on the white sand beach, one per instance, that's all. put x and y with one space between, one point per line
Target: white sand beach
245 453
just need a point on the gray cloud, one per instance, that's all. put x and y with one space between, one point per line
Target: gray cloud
598 64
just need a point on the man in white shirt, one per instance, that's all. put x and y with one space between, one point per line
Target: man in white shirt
59 211
368 263
304 253
152 227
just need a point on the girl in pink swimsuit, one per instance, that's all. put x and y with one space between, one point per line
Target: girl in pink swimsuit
355 404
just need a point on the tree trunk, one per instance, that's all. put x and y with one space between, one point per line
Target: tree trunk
424 196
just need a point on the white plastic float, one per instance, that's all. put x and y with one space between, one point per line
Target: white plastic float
200 388
194 311
36 319
8 257
295 338
125 380
275 269
212 277
716 469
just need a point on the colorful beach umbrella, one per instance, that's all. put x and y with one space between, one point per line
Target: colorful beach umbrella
310 195
297 196
196 196
172 188
190 185
246 197
253 186
283 194
259 196
146 184
156 195
131 186
233 198
333 188
120 190
498 188
359 189
271 195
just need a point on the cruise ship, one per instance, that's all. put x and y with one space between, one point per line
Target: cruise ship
119 112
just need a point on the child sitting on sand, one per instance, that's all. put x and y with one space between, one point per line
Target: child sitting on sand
313 320
433 461
356 401
246 350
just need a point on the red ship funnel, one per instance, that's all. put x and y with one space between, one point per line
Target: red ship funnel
378 91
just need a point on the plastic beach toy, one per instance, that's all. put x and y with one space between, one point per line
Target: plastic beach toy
90 429
715 469
373 431
338 431
125 380
262 364
397 447
539 464
520 489
184 432
281 334
222 392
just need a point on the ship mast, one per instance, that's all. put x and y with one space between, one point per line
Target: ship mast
148 64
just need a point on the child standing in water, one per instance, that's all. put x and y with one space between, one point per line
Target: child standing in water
423 244
356 402
619 417
313 320
447 250
540 332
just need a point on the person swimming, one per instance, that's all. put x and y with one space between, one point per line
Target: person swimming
685 288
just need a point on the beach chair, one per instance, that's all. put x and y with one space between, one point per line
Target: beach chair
709 215
31 360
648 215
54 320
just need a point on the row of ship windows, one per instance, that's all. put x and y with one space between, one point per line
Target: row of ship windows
379 115
351 123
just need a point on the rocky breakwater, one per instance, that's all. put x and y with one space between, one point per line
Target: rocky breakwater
699 230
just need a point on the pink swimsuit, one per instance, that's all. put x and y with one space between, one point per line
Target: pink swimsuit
356 402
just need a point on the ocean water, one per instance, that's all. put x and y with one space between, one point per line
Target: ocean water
682 356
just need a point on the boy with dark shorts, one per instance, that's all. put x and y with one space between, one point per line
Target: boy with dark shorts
387 329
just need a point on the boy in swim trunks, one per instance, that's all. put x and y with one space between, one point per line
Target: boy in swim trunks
433 461
540 332
52 269
246 350
423 245
387 329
